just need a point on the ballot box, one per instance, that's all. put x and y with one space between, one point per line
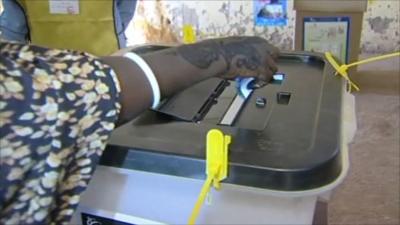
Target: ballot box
288 152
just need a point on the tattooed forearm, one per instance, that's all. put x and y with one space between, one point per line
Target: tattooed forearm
225 57
238 52
243 55
202 54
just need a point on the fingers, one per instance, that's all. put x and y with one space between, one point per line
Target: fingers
265 76
256 47
270 62
259 84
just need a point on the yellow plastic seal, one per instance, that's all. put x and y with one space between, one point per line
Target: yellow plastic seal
342 69
216 167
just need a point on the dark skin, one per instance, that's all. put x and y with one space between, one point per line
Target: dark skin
177 68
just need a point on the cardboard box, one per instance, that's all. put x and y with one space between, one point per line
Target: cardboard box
331 5
351 10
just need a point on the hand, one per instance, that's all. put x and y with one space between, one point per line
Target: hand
241 57
249 57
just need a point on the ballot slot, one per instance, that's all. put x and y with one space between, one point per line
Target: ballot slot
241 100
234 110
214 101
211 101
245 87
221 104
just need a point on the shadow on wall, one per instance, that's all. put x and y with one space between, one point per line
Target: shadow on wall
152 33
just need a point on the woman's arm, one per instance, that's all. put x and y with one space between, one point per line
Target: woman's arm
179 67
59 108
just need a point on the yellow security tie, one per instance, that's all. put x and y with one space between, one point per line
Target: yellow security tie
342 69
216 167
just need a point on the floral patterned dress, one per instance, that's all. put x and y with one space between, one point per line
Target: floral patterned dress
57 110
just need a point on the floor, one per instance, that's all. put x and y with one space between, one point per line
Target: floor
370 193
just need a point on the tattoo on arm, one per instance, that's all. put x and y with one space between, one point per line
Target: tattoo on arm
245 54
201 55
238 52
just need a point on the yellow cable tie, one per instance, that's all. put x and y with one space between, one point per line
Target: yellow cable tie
342 69
200 200
376 58
216 167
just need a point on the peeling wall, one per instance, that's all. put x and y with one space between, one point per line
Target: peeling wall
381 27
235 17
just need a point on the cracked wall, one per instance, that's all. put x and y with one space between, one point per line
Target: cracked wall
163 21
381 27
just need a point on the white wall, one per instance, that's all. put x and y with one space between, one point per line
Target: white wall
223 18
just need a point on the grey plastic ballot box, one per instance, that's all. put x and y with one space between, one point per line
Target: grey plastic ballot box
287 152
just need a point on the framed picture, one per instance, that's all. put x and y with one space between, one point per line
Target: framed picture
270 12
322 34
